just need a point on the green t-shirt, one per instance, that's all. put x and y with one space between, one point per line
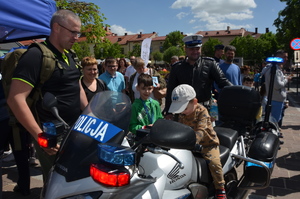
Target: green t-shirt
144 113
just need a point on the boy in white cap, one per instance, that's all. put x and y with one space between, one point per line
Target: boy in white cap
195 115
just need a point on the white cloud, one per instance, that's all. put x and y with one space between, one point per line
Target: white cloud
192 21
215 13
181 15
189 33
119 30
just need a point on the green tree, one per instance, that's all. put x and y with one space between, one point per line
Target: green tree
107 49
91 18
157 56
288 23
136 51
115 50
245 47
173 50
254 51
82 49
208 48
173 39
271 44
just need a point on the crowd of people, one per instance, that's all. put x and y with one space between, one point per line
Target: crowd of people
193 82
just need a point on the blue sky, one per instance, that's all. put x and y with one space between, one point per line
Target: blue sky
188 16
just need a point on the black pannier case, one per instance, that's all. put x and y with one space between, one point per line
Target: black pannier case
238 104
263 148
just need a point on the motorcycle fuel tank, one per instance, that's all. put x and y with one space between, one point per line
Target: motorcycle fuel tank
176 177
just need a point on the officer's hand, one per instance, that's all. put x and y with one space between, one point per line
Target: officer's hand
52 150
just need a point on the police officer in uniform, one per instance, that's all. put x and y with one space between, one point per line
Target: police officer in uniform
197 71
219 52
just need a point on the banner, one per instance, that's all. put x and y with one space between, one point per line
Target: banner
145 51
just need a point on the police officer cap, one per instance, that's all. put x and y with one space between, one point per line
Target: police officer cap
193 41
219 47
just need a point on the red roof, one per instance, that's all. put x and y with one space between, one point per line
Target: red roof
28 42
220 33
228 32
124 39
160 38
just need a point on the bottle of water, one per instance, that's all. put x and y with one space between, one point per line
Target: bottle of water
214 113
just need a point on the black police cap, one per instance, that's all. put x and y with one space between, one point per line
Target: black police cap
219 47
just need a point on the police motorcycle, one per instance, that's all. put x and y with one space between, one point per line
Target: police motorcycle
96 160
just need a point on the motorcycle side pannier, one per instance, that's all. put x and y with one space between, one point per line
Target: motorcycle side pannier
264 148
239 104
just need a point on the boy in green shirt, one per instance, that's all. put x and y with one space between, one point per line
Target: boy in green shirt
145 110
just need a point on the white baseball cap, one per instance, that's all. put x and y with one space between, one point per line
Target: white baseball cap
181 95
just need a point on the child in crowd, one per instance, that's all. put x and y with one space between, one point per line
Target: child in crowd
248 81
196 116
145 110
113 79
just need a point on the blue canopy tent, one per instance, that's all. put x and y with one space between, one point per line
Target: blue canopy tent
25 19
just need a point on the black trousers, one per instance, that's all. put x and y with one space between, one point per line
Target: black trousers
20 147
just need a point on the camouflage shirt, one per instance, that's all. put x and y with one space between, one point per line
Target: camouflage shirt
200 122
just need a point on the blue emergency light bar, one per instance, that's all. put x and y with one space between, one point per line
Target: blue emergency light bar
116 154
274 60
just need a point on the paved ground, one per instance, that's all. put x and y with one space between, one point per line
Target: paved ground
285 182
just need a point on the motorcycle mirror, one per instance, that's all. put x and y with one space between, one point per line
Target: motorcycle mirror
50 104
49 101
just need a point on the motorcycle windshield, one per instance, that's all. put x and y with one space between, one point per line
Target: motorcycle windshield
105 119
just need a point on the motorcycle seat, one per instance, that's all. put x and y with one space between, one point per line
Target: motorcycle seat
226 136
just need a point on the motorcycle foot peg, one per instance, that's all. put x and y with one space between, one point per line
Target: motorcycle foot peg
280 135
281 142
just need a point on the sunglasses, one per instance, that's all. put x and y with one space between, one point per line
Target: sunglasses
74 33
111 66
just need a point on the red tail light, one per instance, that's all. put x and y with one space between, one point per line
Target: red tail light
46 141
115 177
42 140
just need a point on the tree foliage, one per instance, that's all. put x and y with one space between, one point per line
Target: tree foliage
173 39
157 56
91 18
107 49
288 23
208 48
173 50
254 51
82 49
136 51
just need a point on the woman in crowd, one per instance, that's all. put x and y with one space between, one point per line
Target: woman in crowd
90 83
122 66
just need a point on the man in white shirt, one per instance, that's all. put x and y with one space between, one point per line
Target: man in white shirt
129 71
